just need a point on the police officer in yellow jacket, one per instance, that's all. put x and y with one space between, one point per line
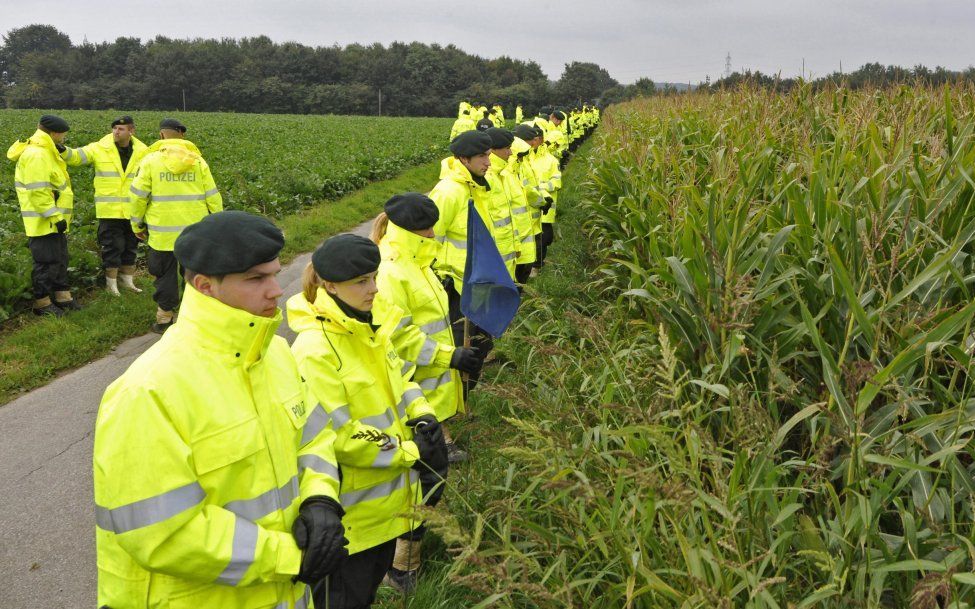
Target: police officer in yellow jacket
389 443
46 206
216 482
173 189
404 232
116 158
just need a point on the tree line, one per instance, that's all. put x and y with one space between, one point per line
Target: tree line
41 68
869 75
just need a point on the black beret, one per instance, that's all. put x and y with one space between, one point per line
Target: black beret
526 132
500 138
54 123
484 124
470 143
345 257
228 242
123 120
172 123
412 211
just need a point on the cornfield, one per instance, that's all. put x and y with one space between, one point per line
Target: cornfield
764 398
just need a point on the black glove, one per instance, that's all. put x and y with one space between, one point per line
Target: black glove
319 532
61 225
466 359
61 147
548 204
428 436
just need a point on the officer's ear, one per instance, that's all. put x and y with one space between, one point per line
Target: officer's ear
330 287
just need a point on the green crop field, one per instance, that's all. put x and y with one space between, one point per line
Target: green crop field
756 392
272 164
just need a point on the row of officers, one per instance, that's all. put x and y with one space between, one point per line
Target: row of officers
233 471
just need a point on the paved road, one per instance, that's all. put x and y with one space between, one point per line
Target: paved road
47 537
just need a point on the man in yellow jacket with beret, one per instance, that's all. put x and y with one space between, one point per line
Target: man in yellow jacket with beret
216 482
173 189
46 206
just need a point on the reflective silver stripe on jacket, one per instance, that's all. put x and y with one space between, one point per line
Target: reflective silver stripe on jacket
340 416
109 199
380 421
536 214
432 383
529 239
317 464
166 229
265 503
409 396
404 322
84 157
34 185
138 191
407 364
107 174
384 489
301 603
47 213
136 220
435 326
427 352
510 256
520 210
440 238
242 552
150 511
177 198
211 192
461 245
317 421
385 458
503 222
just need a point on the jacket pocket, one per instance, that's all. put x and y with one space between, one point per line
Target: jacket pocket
227 446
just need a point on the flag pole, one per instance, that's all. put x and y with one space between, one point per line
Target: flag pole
466 377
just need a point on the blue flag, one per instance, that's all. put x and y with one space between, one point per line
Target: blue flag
490 298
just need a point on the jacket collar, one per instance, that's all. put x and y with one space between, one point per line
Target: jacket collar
333 320
214 326
399 242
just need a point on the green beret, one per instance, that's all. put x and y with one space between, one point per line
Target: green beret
345 257
228 242
172 123
526 132
484 124
54 123
470 143
412 211
500 138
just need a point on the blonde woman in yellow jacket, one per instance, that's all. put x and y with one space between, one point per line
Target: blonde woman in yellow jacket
389 444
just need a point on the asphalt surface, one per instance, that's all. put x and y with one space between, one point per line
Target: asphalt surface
47 517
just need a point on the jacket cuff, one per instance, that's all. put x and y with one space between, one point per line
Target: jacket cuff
411 453
289 556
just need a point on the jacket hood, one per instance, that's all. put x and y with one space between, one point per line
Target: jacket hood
38 139
179 156
452 169
324 315
215 326
399 243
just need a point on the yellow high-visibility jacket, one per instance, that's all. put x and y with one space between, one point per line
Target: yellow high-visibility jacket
451 194
521 212
550 179
503 203
462 124
530 181
42 184
355 373
172 189
112 181
519 114
423 338
204 450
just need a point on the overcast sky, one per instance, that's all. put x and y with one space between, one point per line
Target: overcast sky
666 40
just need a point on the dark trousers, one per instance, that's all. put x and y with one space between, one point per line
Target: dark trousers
355 583
523 272
543 241
165 271
50 272
117 242
481 341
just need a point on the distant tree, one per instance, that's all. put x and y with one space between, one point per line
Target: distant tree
581 81
19 42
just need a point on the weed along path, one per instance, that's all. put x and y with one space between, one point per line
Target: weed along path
47 520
